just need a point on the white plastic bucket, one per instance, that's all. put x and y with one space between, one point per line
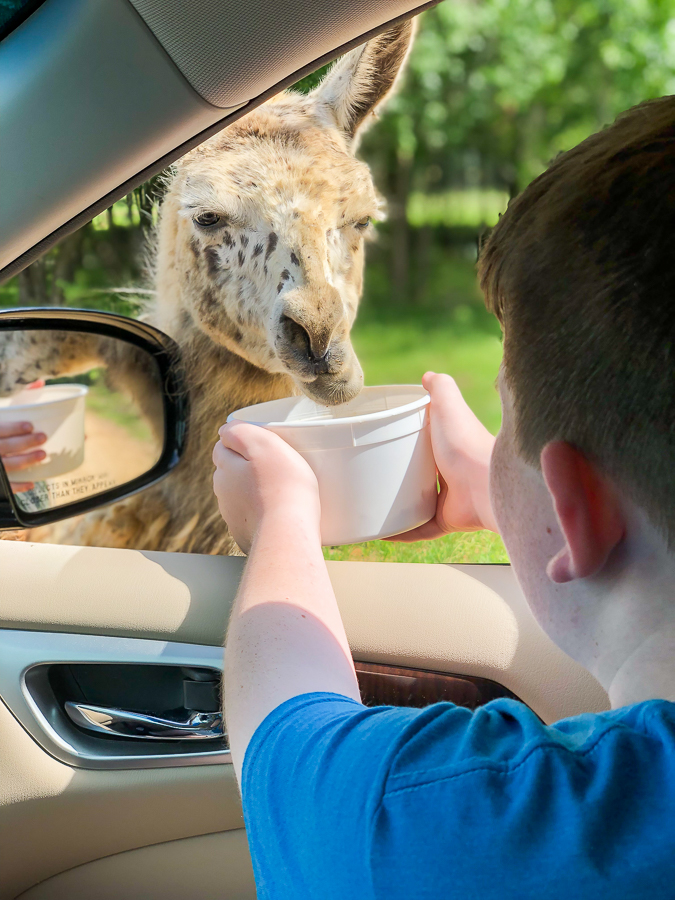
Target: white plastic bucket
372 458
58 411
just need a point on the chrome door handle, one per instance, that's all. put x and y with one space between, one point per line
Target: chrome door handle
123 723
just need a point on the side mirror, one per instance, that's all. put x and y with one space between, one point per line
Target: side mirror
93 408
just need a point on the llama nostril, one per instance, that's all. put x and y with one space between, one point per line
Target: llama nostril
317 359
298 337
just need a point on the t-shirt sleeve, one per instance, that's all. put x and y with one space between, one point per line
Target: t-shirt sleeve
313 777
345 801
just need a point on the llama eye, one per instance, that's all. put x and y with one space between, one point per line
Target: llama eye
362 223
208 219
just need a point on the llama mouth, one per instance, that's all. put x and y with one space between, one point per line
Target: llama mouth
302 365
330 390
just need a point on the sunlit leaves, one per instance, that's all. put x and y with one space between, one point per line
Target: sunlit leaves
518 80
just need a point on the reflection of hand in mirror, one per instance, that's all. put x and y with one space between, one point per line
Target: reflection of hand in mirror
18 443
96 423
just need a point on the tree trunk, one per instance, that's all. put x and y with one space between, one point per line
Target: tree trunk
68 260
422 263
400 233
33 284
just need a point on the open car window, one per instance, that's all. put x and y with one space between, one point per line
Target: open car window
474 119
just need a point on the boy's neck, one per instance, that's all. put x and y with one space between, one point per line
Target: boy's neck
634 621
648 673
626 633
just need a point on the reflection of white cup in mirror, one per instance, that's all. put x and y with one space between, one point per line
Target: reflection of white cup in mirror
58 411
372 458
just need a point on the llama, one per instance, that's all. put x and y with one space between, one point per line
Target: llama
258 271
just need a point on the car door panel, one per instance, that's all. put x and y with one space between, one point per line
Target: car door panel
200 868
84 823
54 817
42 673
457 619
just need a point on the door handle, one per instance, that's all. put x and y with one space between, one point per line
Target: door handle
197 726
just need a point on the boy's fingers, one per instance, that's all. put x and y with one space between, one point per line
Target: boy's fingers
20 443
445 395
439 381
240 437
12 429
431 529
23 460
18 487
226 456
428 379
246 439
427 532
251 441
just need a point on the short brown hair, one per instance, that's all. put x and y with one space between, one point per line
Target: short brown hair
580 270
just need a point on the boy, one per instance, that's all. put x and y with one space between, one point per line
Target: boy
344 801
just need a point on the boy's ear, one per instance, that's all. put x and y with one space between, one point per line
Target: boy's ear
362 79
588 509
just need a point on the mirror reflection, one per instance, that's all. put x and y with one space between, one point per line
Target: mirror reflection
79 414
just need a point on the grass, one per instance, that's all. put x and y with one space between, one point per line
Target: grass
462 341
477 547
400 352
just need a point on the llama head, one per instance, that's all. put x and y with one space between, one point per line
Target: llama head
263 226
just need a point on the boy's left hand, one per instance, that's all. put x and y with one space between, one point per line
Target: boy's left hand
260 478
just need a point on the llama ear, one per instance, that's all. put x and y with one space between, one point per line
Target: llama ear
360 80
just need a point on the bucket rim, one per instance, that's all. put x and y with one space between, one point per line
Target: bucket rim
77 390
364 418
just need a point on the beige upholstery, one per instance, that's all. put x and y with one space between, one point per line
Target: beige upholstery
463 619
182 597
211 867
53 817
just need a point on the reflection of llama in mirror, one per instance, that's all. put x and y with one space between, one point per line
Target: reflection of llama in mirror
258 274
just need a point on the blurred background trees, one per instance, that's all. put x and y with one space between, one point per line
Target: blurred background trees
494 90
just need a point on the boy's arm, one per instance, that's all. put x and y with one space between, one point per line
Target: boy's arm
285 636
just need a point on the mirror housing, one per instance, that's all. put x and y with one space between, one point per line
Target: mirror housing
147 343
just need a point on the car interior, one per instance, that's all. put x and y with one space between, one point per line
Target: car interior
115 775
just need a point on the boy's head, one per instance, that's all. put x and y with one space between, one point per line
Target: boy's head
580 271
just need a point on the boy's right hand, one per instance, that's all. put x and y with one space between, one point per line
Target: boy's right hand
19 445
462 448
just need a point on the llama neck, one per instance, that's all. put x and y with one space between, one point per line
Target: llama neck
219 382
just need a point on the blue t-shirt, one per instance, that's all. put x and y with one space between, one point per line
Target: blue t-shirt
342 801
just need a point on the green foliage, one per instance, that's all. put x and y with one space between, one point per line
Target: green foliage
309 82
464 208
495 89
100 266
400 352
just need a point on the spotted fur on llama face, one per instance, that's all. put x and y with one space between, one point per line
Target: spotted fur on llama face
263 226
258 270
